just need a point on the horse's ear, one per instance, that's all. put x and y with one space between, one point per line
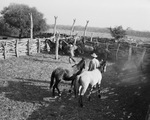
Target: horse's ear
101 61
105 68
74 65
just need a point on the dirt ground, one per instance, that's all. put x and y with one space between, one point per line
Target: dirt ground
25 94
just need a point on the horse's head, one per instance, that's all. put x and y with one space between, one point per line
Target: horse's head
80 65
103 66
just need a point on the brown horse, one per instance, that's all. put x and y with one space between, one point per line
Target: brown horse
60 74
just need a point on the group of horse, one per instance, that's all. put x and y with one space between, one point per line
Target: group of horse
80 78
64 45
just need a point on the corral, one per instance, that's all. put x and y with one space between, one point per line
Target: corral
25 94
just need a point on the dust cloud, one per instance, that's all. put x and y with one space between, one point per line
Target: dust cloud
130 71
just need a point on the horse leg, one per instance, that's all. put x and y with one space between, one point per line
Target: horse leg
80 101
71 86
75 92
82 91
56 85
89 96
53 92
99 95
59 93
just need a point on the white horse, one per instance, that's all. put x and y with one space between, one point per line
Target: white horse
87 78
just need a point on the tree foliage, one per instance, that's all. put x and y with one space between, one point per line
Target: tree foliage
117 32
6 29
17 16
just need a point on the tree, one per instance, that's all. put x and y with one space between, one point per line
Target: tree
17 16
117 32
6 29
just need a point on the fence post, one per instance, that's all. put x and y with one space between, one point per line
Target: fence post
31 25
72 28
39 45
107 46
5 50
55 25
117 51
75 39
130 53
57 45
142 58
28 47
17 55
85 28
91 37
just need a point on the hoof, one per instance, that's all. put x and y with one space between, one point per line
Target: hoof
81 105
99 96
69 91
89 98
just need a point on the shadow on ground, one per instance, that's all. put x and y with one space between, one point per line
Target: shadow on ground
24 91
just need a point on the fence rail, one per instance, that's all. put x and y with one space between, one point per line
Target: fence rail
27 46
20 47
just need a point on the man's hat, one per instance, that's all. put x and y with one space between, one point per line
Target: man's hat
94 55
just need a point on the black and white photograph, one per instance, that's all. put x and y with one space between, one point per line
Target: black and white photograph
74 59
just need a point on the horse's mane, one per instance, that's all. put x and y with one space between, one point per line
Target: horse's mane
80 64
60 71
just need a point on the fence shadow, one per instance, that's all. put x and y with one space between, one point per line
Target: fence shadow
24 91
63 107
46 58
32 80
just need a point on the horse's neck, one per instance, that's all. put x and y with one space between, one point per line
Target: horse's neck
102 68
79 71
67 75
81 65
75 74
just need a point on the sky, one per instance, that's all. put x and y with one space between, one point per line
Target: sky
134 14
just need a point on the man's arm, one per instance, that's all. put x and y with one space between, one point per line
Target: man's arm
90 66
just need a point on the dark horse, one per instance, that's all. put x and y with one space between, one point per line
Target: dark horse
64 74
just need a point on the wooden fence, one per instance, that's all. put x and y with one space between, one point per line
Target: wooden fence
27 46
120 50
20 47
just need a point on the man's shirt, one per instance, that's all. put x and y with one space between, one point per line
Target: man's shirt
94 63
71 49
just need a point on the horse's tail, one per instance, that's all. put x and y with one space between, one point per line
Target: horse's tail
52 79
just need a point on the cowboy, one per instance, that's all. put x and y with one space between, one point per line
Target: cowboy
72 48
94 63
